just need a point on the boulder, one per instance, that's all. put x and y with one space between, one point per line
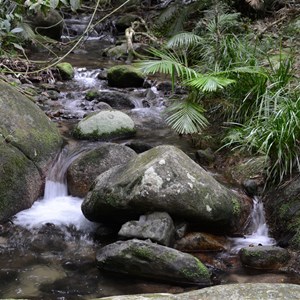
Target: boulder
158 227
50 24
199 241
162 179
282 204
28 144
114 98
104 125
84 169
66 70
261 291
123 76
264 257
149 260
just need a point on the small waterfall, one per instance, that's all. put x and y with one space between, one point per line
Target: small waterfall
258 227
56 207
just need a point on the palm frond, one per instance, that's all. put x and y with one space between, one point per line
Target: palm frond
209 83
168 63
184 39
187 117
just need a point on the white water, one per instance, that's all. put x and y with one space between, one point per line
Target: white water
259 228
56 207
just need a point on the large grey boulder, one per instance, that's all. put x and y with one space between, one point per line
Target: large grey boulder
104 125
253 291
28 144
85 169
162 179
150 260
158 227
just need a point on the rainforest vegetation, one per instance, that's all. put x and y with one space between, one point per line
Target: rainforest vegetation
237 61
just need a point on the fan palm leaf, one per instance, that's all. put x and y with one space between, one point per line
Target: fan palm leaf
187 117
209 83
184 40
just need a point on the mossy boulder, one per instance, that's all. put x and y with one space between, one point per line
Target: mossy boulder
105 124
282 206
264 257
25 126
261 291
85 169
162 179
66 70
123 76
28 144
150 260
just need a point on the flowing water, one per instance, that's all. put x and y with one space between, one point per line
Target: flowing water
259 232
51 254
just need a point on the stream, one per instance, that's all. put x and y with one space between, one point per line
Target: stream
51 254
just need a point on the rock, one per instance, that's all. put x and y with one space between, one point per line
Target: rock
139 147
282 205
66 70
124 21
162 179
199 241
28 144
261 291
84 170
50 24
123 76
205 156
105 124
158 227
146 259
264 257
253 168
114 98
20 181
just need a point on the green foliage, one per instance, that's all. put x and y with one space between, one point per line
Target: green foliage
13 30
187 117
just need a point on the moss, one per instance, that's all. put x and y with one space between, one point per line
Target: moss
236 207
96 136
144 253
195 272
66 70
91 95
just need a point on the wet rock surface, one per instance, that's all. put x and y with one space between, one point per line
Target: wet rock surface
264 257
150 260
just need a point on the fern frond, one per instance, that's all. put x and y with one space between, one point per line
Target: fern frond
187 117
184 39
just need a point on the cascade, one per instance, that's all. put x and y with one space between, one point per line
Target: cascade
56 206
259 229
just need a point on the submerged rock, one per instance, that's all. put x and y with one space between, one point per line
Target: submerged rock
162 179
259 291
199 241
28 144
264 257
158 227
146 259
85 169
104 125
